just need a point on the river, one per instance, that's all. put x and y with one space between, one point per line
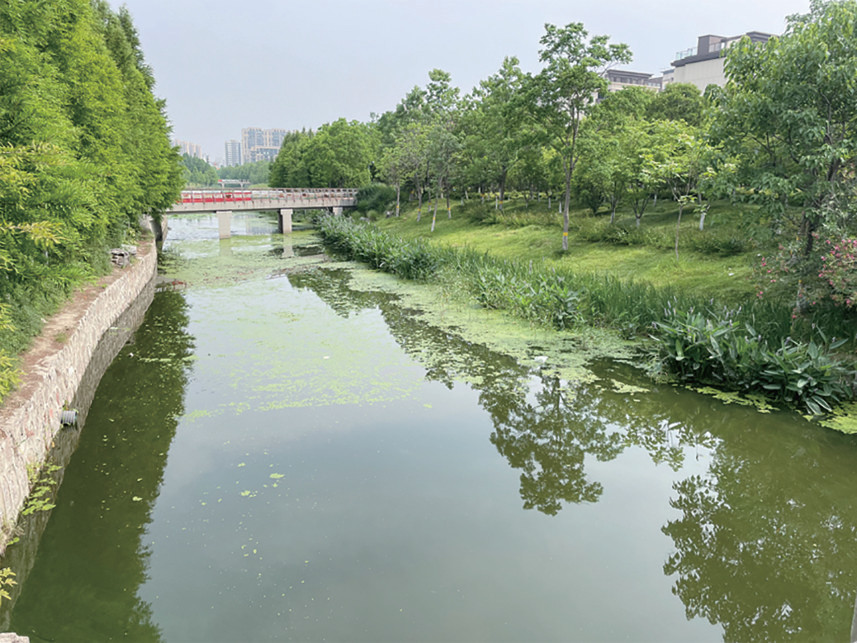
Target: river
284 451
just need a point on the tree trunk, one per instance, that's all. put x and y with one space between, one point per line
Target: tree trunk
567 200
434 213
419 203
398 196
448 208
613 203
677 225
807 227
502 188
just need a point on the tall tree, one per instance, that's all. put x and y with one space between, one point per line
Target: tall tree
441 119
289 169
563 92
340 154
789 111
607 151
492 125
84 150
679 161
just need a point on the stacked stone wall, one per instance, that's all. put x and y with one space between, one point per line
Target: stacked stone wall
53 370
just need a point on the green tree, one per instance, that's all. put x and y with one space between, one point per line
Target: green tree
561 94
615 108
607 151
340 153
679 161
84 151
678 101
198 173
492 126
789 113
255 172
290 169
441 115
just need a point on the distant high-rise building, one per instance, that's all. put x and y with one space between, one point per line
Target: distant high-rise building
259 144
191 149
233 152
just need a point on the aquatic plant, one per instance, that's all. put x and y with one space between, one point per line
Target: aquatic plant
407 259
712 348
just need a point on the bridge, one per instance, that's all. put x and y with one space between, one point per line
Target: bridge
282 200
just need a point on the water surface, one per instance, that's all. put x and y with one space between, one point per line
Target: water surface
281 454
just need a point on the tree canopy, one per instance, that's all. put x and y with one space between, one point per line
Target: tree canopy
84 152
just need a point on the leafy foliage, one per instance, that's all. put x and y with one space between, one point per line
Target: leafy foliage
560 95
197 172
376 197
255 172
84 152
789 114
7 580
338 155
715 349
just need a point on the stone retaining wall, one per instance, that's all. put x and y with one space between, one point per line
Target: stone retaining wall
52 372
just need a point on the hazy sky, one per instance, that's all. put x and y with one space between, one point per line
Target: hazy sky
227 64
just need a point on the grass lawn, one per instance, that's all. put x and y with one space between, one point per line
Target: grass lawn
644 254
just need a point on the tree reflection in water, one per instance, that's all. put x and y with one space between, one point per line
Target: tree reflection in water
94 540
765 545
542 425
765 542
548 439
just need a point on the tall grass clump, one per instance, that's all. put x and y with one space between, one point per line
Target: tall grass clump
407 259
532 292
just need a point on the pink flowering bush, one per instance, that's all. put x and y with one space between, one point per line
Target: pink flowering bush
828 276
839 271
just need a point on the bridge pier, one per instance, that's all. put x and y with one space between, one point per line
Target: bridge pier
224 223
284 220
337 210
288 248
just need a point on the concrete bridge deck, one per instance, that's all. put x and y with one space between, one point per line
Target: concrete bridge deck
283 200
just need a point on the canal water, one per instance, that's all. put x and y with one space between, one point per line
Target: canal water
288 449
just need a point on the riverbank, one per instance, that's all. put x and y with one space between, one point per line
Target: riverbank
753 349
52 370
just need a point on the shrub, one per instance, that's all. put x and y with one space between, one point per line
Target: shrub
724 243
715 349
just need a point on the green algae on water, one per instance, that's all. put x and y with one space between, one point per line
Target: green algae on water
843 419
568 352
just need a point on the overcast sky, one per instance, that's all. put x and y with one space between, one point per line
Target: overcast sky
227 64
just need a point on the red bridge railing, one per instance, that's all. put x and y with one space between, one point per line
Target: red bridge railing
248 196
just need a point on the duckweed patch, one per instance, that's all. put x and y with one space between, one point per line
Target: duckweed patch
440 306
761 404
843 419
